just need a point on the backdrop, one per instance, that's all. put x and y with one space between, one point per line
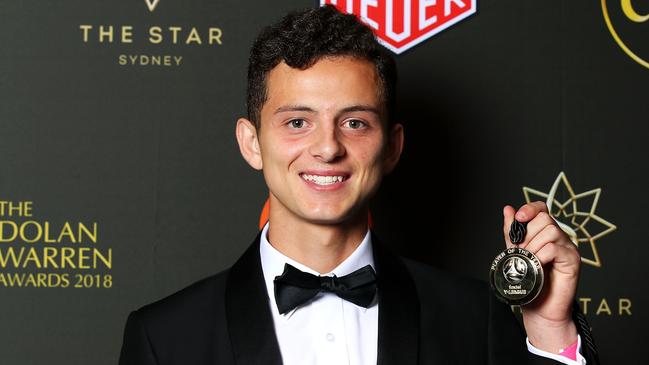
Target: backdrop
121 181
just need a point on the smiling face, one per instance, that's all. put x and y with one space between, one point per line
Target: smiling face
323 144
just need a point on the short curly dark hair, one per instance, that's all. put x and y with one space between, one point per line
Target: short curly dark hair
302 38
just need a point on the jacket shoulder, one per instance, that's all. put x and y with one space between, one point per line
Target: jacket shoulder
185 327
198 299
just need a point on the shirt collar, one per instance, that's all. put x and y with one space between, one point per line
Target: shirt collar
272 263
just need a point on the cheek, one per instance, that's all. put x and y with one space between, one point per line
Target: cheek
281 151
368 154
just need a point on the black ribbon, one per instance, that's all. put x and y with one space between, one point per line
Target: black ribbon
517 232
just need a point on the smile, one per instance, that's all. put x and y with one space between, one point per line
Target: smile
323 180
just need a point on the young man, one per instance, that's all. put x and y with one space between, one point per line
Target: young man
320 127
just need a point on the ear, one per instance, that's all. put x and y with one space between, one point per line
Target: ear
394 148
249 143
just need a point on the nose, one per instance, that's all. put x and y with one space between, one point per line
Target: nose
327 145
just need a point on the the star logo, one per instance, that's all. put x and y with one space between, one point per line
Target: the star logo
574 214
151 4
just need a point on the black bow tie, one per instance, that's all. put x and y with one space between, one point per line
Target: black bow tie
295 287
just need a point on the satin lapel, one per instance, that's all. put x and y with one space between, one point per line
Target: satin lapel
250 322
398 309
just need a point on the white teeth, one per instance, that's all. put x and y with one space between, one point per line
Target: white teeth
322 180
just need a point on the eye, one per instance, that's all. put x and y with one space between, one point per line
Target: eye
355 124
296 123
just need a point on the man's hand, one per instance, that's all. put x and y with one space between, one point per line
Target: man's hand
548 319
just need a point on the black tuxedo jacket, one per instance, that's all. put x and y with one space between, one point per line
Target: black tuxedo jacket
425 317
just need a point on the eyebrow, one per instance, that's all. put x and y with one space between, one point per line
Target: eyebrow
361 108
304 108
294 108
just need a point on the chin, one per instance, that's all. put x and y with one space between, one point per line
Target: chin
331 217
324 219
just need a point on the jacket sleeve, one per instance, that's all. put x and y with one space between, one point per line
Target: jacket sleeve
136 348
507 337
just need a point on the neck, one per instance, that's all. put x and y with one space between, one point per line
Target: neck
321 247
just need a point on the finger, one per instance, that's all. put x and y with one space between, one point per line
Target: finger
508 218
536 225
549 233
547 253
564 258
528 211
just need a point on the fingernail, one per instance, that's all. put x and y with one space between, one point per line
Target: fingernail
520 215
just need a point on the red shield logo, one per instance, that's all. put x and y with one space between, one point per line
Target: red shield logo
401 24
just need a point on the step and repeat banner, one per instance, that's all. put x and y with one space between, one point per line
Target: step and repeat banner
121 181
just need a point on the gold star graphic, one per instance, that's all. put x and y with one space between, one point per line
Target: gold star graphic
572 219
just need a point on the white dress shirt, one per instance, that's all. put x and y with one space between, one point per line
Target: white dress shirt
327 330
330 330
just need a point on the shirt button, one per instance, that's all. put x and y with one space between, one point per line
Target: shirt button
331 337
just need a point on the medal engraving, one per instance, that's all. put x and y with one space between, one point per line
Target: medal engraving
516 275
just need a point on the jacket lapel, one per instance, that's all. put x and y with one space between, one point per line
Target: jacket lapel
398 309
249 320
